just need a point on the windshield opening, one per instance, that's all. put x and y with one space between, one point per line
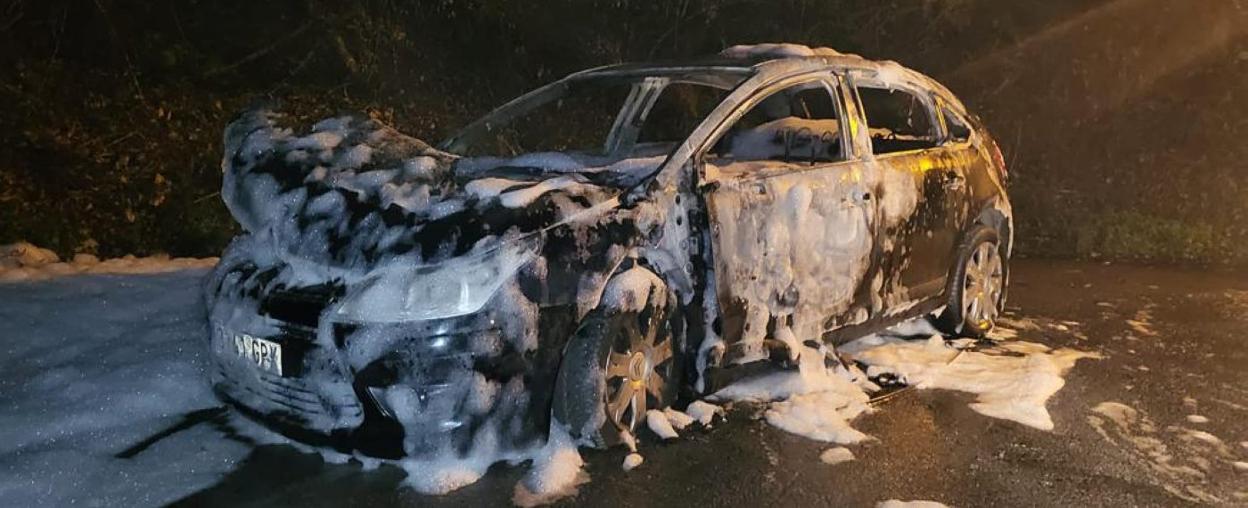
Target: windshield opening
596 121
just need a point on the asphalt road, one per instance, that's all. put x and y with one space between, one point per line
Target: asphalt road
1185 354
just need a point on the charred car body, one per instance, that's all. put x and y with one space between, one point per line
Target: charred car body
604 245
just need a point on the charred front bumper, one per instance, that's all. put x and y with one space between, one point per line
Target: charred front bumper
428 388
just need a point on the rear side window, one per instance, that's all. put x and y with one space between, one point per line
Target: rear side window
897 120
958 130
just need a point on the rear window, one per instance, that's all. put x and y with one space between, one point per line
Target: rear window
956 125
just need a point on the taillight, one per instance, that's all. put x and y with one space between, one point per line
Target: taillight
999 160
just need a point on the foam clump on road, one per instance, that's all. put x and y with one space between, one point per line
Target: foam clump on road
660 424
23 261
632 460
703 412
557 472
836 455
1013 380
814 401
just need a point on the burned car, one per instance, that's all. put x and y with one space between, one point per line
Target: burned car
619 240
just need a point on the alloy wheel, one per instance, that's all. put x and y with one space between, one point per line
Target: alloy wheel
635 373
982 286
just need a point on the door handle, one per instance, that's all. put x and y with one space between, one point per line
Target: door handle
859 197
955 181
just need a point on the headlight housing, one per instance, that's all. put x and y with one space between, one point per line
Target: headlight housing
452 288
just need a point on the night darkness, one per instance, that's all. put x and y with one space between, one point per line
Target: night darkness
890 253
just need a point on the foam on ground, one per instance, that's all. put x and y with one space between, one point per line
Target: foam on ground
703 412
660 425
814 401
25 262
1013 380
836 455
632 460
557 472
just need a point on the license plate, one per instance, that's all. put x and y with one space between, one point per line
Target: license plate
264 353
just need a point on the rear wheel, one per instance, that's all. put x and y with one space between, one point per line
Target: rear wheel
976 286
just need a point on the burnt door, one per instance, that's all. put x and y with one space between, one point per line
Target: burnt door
969 168
919 185
791 222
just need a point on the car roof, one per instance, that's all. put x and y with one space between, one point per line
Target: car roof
773 66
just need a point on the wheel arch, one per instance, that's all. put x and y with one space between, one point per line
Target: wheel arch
635 287
997 214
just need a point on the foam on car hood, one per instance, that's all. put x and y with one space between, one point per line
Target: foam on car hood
353 192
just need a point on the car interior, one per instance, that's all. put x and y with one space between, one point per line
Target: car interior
796 125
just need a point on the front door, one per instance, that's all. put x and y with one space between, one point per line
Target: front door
791 221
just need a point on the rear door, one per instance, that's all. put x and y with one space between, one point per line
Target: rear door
971 164
791 221
921 187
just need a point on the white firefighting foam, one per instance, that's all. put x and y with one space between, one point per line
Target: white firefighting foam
556 473
1013 380
814 401
22 261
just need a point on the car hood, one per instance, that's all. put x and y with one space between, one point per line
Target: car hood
353 193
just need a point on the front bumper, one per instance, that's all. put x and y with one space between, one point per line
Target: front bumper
422 389
316 406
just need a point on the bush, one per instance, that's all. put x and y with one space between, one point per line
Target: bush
1137 236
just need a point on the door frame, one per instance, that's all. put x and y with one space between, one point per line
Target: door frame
709 182
855 78
831 80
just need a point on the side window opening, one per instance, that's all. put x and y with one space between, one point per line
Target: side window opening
898 120
796 125
957 127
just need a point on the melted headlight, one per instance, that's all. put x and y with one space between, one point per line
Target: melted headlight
453 288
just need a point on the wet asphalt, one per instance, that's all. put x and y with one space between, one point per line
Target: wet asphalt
1187 353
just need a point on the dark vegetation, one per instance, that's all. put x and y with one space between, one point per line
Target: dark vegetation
1122 121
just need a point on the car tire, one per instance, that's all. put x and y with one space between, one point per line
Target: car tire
976 286
605 382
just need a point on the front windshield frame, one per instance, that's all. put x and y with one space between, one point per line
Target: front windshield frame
723 78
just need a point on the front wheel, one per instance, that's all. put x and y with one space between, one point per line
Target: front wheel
976 286
618 365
